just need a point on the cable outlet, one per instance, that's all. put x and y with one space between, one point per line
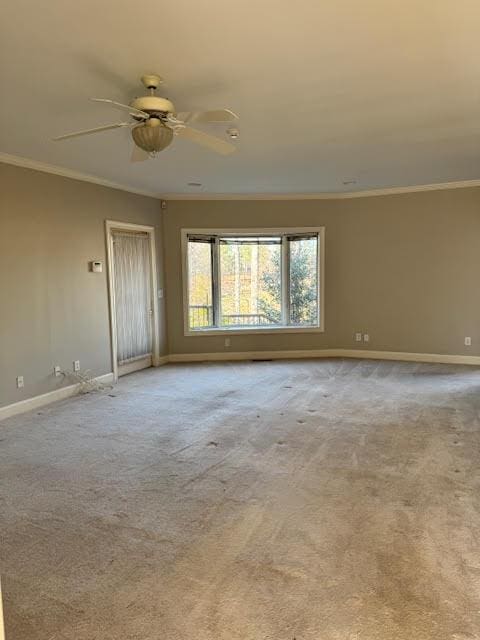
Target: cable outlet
358 337
20 383
366 337
468 341
57 371
76 365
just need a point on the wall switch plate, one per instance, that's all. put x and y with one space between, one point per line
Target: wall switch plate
227 342
366 337
358 337
20 383
56 370
76 365
96 266
160 294
468 342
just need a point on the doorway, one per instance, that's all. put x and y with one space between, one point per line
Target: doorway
133 296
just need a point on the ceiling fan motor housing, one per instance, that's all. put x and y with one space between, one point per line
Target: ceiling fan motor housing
153 104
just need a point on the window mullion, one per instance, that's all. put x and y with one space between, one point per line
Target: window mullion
216 282
285 282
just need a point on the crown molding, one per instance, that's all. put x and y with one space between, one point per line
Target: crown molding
338 195
27 163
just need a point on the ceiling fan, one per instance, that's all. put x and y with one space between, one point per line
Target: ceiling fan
154 122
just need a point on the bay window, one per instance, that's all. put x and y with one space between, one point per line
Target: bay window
255 280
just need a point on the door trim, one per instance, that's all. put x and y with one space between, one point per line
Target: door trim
136 365
114 225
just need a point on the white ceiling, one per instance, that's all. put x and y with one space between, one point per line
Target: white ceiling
384 93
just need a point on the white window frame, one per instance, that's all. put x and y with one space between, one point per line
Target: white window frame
283 231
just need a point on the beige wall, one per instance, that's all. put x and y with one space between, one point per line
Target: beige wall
52 309
404 268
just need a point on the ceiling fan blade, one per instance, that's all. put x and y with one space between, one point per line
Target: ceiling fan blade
124 107
217 115
138 155
205 140
87 132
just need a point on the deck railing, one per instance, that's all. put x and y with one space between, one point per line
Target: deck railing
201 316
244 319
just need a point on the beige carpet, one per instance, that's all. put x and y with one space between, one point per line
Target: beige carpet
322 500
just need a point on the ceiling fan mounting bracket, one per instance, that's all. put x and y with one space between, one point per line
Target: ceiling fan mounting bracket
151 81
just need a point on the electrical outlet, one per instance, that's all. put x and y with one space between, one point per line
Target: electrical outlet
20 383
468 342
366 337
358 337
227 342
57 370
76 365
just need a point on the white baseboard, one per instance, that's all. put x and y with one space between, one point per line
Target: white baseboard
252 355
325 353
134 365
141 363
404 356
59 394
46 398
65 392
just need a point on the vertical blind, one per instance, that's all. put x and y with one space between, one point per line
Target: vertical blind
133 302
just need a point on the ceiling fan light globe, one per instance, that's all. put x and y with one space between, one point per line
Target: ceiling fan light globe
152 138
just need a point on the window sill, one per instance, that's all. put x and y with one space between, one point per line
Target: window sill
249 330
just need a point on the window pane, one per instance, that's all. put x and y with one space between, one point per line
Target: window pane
200 298
303 281
250 281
